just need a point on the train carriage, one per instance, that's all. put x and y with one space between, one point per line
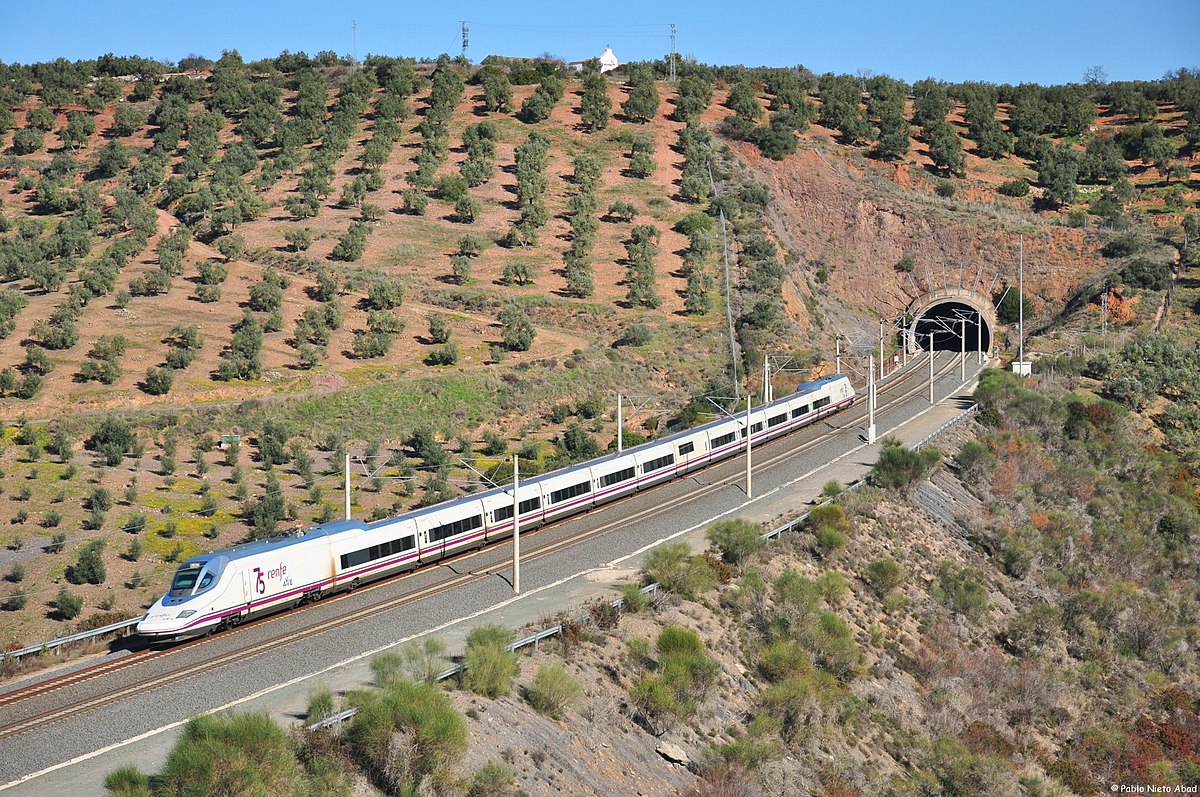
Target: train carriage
450 527
613 476
565 492
691 450
655 462
498 509
363 552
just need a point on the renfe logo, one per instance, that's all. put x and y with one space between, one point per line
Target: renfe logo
278 573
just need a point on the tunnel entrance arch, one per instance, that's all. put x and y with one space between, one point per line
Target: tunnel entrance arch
937 319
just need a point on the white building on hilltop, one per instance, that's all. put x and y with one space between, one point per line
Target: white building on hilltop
608 62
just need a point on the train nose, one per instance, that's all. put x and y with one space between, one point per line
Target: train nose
159 622
171 622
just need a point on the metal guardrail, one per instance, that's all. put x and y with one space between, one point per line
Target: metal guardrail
55 644
945 427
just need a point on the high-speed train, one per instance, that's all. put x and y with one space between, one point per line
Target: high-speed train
221 589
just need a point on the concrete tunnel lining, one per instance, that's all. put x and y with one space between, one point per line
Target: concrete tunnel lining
933 312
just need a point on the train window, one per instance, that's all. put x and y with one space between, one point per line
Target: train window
717 442
204 582
558 496
360 557
686 448
623 475
796 413
821 402
658 463
527 506
778 419
439 533
755 429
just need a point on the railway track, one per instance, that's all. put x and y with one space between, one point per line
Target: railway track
891 393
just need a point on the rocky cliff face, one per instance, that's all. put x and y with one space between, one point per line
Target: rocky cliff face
857 223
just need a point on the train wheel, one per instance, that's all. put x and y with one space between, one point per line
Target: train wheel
354 585
229 623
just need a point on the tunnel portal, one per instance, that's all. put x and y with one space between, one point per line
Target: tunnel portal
937 321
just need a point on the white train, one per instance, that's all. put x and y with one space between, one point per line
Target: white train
223 588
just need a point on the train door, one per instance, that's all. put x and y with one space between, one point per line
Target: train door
246 590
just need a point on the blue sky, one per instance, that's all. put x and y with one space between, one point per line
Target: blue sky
1046 41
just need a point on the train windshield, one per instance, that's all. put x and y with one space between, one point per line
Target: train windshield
185 579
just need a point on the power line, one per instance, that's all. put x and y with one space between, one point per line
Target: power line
672 24
728 309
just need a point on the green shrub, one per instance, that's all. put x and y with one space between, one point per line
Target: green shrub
490 665
758 745
158 381
635 600
961 589
385 667
320 705
493 779
800 697
424 660
1151 275
404 733
89 566
884 575
736 539
14 601
832 644
677 570
68 604
386 294
834 587
684 673
829 539
832 489
656 704
974 459
214 751
636 334
439 329
553 690
446 355
781 658
127 781
133 523
1123 245
900 468
1014 188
